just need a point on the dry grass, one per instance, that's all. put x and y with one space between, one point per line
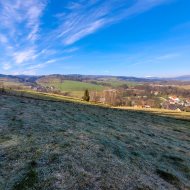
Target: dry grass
48 96
160 112
187 87
55 97
65 145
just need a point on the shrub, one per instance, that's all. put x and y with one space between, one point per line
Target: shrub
86 96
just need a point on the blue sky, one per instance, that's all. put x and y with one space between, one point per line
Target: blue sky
116 37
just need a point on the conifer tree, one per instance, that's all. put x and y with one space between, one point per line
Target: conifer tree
86 96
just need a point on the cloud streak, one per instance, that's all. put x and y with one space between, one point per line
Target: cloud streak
23 56
21 17
3 39
20 26
25 40
82 20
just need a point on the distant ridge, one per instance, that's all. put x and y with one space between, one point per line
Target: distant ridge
179 78
183 78
32 78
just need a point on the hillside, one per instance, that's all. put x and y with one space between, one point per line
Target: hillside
64 145
74 88
74 85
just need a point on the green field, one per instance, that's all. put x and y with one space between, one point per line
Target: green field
51 145
75 88
114 83
69 85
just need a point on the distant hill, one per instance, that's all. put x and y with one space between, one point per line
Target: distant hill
183 78
78 77
20 78
179 78
9 76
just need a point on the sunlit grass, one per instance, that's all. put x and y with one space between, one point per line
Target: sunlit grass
69 86
162 112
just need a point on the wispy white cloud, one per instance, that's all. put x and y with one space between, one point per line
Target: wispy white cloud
71 50
84 32
3 39
41 65
34 13
17 15
6 66
86 17
47 62
25 72
153 59
167 56
27 43
20 26
22 56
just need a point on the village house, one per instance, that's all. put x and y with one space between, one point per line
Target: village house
174 99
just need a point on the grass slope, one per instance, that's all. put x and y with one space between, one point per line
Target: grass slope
64 145
162 112
114 82
11 83
77 88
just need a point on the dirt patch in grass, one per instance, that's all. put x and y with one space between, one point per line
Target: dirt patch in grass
4 139
29 180
169 177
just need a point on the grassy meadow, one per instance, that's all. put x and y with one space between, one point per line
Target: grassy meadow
75 88
68 145
161 112
12 84
114 83
187 87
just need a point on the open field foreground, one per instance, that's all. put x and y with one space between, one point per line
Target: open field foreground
50 145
